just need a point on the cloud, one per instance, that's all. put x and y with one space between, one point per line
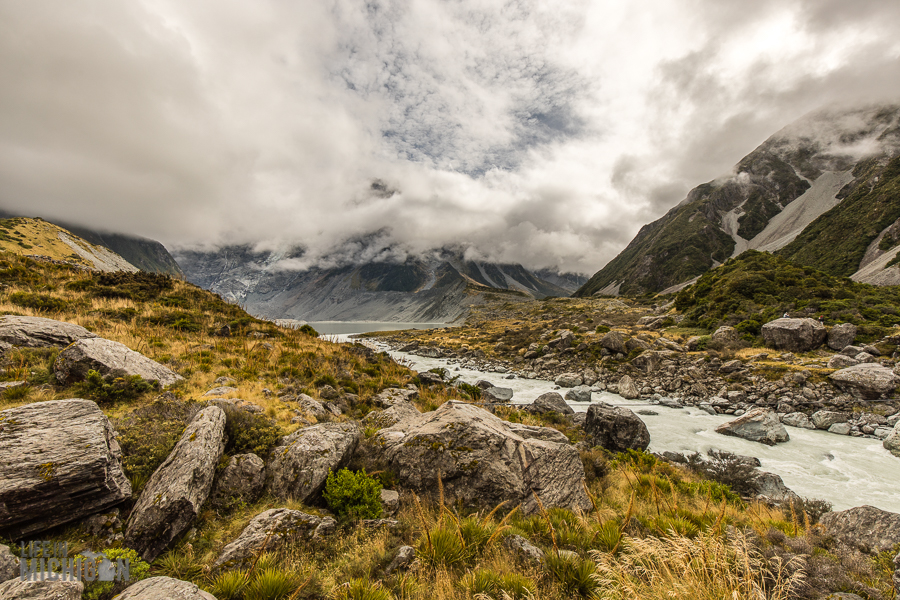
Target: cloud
521 130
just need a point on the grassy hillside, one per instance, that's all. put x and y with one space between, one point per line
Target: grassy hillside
36 236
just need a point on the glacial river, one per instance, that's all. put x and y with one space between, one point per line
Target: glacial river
844 470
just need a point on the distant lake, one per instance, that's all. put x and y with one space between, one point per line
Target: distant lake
345 327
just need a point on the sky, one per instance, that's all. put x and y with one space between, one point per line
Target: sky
544 133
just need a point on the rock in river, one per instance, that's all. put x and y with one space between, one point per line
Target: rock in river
758 425
615 428
59 461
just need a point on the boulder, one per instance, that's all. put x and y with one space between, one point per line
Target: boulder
851 351
568 380
266 532
482 459
60 462
164 588
429 378
797 419
628 389
390 502
770 487
636 344
725 335
581 393
892 442
549 402
731 366
839 361
9 564
390 416
615 428
649 361
794 335
37 332
311 406
523 550
110 359
404 559
865 528
823 419
866 381
243 478
841 336
222 391
299 464
391 396
757 425
497 394
614 342
179 487
17 589
840 428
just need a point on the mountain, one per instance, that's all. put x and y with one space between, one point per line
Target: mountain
821 192
438 288
145 254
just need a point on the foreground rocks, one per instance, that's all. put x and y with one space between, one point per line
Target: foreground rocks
865 528
243 478
267 531
615 428
868 381
299 464
59 462
110 359
164 588
892 442
41 590
482 460
758 425
37 332
794 335
179 487
549 402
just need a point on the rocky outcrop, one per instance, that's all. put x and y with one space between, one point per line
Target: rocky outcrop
59 462
37 332
299 464
179 487
867 381
615 428
391 416
892 442
391 396
794 335
482 460
41 590
164 588
758 425
841 336
110 359
243 478
865 528
549 402
614 342
628 389
266 532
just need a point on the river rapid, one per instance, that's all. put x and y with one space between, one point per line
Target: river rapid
844 470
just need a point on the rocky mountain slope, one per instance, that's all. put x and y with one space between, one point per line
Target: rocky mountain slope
436 289
822 192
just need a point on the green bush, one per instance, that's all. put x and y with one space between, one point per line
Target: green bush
362 589
137 570
353 495
112 390
272 584
38 301
249 432
308 330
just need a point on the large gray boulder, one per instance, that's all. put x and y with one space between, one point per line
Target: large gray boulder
614 342
839 361
615 428
16 589
179 487
865 528
110 359
757 425
725 335
391 416
868 381
549 402
59 462
892 442
628 389
579 393
794 335
497 394
298 466
797 419
37 332
841 336
770 488
568 380
823 419
243 478
266 532
164 588
482 459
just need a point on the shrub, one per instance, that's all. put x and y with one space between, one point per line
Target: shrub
137 570
353 495
115 389
230 585
249 432
140 286
574 574
362 589
272 584
308 330
38 301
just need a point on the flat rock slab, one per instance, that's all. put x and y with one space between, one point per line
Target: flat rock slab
266 532
758 425
866 528
41 590
38 332
59 462
868 381
179 487
164 588
615 428
299 464
110 359
482 460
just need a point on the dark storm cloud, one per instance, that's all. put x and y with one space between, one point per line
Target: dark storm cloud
521 130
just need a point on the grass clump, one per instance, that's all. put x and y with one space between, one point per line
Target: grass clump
38 302
353 495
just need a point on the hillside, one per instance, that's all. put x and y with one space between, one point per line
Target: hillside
436 289
817 175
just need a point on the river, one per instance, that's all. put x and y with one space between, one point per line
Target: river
844 470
